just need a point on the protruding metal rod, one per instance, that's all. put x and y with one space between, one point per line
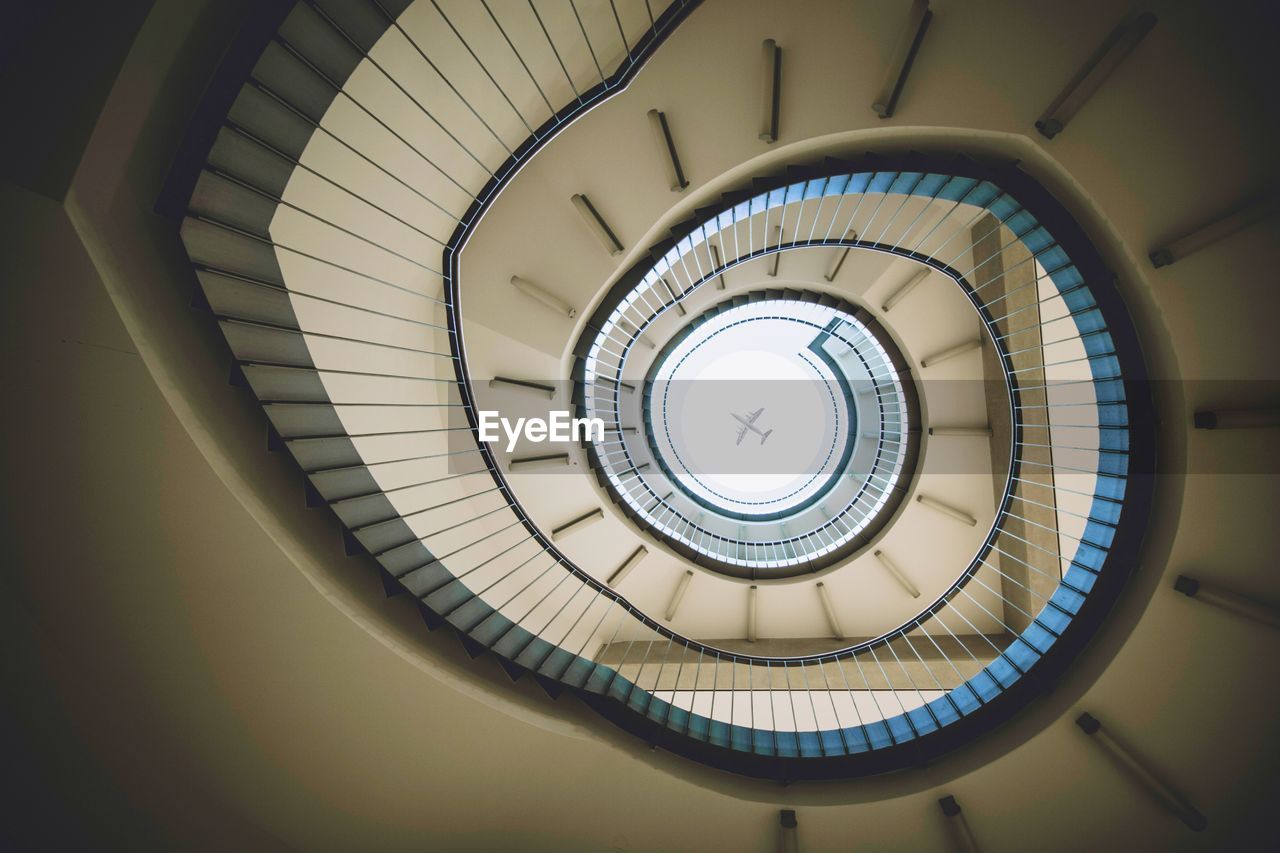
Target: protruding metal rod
771 90
788 842
836 630
948 510
1223 225
596 224
841 254
952 352
667 149
552 460
625 386
547 298
1122 40
627 565
776 256
1237 419
1264 613
976 432
906 287
575 524
897 574
1140 772
752 595
523 385
903 55
715 256
961 834
630 329
678 596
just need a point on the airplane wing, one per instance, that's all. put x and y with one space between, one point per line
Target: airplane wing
742 432
751 418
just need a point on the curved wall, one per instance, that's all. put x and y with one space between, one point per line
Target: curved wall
225 700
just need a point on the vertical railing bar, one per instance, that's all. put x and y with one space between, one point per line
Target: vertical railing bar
817 213
266 90
927 206
872 693
902 708
857 206
466 103
884 196
835 214
574 5
920 694
523 64
626 48
576 94
237 129
857 714
817 728
944 656
480 592
835 712
906 197
280 202
486 71
395 83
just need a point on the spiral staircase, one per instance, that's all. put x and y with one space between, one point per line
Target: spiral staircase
401 214
349 332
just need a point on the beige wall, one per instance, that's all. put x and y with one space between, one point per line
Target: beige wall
190 662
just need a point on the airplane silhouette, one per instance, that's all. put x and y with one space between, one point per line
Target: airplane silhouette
748 424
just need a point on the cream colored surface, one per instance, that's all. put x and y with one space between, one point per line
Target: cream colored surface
167 656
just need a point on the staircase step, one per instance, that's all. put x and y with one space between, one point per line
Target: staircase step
557 663
468 615
432 620
513 670
390 585
552 688
535 653
473 648
449 598
351 545
512 642
488 629
425 579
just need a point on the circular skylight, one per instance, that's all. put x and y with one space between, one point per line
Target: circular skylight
774 434
748 413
